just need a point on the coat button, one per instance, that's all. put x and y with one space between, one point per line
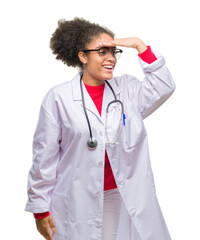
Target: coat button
100 164
98 194
98 225
101 133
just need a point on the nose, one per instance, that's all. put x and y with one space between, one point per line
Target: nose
110 56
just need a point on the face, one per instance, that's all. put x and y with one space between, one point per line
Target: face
98 68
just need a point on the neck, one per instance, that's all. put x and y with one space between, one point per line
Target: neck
91 81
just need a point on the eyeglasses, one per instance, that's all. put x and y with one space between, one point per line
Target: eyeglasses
103 52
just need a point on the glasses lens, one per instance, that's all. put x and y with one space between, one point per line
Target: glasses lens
117 53
103 51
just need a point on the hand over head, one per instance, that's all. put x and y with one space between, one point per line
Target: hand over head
131 42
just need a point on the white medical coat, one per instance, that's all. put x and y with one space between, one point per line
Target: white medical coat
67 178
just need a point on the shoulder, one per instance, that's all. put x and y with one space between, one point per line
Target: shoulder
60 91
126 80
124 77
59 94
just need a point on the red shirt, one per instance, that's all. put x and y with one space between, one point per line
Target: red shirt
96 93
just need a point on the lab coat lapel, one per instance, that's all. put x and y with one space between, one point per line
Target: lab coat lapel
89 104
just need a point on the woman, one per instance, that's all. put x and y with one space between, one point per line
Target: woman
91 176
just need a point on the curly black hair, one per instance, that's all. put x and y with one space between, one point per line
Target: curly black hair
72 36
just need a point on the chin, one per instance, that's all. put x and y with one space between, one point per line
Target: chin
108 76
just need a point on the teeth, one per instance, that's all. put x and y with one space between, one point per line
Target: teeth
110 67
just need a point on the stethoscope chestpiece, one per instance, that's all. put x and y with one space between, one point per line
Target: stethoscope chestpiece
92 143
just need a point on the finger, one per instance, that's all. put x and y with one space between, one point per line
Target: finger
47 234
43 228
107 44
51 224
116 42
123 42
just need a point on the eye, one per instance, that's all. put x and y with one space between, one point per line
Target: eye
117 53
103 51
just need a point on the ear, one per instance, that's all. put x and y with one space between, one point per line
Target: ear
82 57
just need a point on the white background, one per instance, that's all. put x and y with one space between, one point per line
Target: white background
29 70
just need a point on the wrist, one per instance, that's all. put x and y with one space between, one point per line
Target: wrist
140 46
148 56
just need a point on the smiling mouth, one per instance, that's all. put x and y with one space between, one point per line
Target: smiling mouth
109 68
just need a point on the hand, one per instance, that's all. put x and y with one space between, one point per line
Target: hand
131 42
44 225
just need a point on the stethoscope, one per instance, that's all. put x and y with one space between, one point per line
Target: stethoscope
92 142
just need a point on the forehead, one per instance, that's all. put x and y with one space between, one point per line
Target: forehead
99 39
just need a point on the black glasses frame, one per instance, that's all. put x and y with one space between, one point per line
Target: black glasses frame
114 51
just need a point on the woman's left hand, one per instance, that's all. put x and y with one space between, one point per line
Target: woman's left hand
131 42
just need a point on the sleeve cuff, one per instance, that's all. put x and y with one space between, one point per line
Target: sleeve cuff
41 215
148 56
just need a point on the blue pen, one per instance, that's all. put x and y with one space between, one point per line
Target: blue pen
124 117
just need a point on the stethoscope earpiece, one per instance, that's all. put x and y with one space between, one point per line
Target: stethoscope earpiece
92 143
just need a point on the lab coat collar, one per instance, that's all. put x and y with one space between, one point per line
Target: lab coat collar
76 91
108 96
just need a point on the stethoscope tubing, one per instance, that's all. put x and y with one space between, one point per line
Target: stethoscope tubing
114 101
92 143
86 115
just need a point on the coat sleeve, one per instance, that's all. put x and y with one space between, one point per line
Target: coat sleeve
46 152
156 87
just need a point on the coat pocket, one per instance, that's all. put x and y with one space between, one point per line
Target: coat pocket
134 131
60 214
